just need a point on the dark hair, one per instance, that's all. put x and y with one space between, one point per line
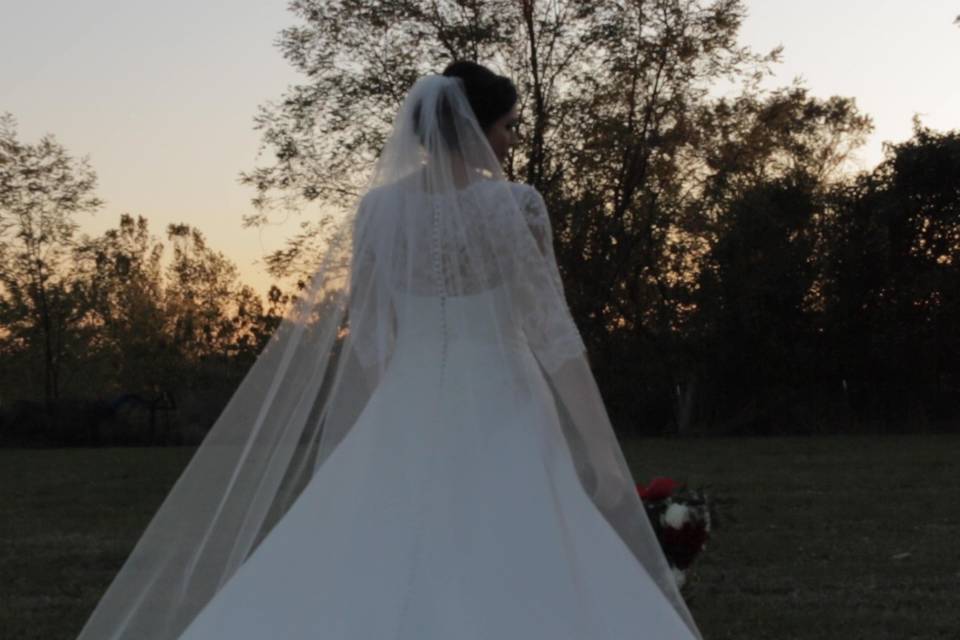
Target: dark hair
490 95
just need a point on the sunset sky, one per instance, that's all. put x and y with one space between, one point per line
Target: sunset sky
161 95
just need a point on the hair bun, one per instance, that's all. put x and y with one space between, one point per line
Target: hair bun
491 96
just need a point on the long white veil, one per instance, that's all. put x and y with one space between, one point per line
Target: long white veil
438 221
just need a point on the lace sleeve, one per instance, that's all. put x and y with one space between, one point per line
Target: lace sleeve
550 330
370 311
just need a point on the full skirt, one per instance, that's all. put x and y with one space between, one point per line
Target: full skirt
451 510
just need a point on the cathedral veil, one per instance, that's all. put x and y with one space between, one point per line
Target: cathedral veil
438 222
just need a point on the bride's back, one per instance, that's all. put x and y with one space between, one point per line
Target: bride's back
446 266
456 243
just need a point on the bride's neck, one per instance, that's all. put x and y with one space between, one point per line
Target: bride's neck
460 172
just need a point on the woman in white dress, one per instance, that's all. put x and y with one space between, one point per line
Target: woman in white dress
421 452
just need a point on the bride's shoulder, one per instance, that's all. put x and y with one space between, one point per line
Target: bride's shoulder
530 201
374 194
522 189
376 198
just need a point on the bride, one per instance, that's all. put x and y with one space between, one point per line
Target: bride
421 451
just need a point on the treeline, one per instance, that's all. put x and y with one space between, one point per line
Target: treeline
107 340
816 307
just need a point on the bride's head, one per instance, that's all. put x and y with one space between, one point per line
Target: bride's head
493 100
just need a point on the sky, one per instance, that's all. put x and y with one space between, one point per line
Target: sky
161 95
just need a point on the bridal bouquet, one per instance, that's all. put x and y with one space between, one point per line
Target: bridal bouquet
681 519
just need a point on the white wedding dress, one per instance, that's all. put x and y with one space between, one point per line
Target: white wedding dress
409 531
425 425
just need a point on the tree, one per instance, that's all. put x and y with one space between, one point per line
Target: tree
891 281
626 65
207 307
122 277
768 162
42 189
176 333
608 94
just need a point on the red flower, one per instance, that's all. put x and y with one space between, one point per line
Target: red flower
658 489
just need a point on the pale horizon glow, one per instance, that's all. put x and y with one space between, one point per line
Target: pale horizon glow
161 96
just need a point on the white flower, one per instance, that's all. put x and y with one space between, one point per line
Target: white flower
679 576
675 516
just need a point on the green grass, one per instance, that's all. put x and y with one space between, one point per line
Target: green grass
805 548
818 522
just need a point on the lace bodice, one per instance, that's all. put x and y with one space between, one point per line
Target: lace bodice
462 244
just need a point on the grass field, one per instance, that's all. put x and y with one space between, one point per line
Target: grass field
843 538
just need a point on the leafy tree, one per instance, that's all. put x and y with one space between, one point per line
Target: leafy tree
122 276
755 304
211 314
42 189
108 313
755 138
591 75
768 163
891 282
609 97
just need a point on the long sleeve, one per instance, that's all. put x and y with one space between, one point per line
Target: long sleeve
371 315
550 330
